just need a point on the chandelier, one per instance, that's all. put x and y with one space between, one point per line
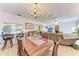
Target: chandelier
37 13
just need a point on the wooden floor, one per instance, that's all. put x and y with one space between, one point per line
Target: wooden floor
63 51
67 51
8 51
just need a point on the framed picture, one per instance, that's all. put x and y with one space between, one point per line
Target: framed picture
29 26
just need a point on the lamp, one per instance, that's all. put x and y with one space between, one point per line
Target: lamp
57 27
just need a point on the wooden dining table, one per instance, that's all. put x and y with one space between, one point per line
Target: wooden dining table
30 48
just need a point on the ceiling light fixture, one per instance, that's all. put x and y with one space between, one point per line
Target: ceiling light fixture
38 13
35 11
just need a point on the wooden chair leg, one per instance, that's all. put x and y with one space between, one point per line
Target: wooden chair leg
55 50
19 52
25 52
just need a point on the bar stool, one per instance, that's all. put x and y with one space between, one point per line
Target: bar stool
7 37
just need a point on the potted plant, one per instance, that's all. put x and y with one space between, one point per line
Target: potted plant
77 31
76 44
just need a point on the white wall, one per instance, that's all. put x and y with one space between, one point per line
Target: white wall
5 17
66 27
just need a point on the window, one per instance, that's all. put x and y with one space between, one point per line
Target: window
10 28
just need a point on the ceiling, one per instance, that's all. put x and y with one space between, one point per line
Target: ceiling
64 11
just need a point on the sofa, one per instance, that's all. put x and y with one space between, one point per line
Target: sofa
66 39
